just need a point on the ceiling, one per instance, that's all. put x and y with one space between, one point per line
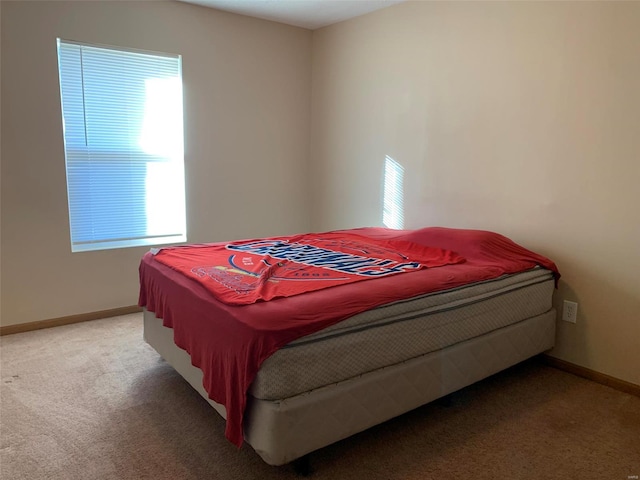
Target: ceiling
309 14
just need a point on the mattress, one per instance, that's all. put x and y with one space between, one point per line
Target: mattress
400 331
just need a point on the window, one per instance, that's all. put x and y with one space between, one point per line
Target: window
392 208
123 140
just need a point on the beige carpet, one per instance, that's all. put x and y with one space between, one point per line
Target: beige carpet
93 401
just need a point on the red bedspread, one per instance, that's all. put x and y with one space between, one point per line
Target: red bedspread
241 273
230 342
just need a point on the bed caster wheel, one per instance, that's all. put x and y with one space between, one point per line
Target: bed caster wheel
302 466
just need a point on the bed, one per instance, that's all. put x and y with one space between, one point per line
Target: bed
330 364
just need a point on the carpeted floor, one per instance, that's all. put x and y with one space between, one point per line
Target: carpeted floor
93 401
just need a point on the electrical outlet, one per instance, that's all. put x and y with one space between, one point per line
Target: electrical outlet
569 311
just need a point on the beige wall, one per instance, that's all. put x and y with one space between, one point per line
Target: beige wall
523 118
246 102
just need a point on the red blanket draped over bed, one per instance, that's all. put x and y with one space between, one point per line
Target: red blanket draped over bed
245 272
230 342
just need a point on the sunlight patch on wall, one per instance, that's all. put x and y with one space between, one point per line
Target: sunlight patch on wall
393 205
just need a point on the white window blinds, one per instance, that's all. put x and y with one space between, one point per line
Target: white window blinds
123 135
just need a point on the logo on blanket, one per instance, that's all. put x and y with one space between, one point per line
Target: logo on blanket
277 260
339 261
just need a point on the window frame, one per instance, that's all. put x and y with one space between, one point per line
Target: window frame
126 156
